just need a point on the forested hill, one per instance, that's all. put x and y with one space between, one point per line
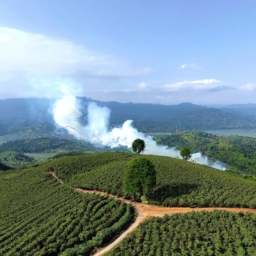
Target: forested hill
20 114
169 118
4 167
236 151
22 109
248 110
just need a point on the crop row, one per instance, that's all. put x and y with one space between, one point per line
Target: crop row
215 233
179 183
39 216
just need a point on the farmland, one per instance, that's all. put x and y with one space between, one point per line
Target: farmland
196 233
41 217
179 183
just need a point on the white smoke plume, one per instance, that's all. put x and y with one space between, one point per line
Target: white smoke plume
67 114
204 160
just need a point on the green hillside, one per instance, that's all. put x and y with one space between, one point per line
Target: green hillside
169 118
41 217
179 183
48 144
237 151
15 160
193 234
4 167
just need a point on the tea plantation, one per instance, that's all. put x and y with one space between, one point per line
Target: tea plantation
179 183
39 216
192 234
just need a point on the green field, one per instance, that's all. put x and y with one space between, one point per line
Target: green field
179 183
192 234
41 217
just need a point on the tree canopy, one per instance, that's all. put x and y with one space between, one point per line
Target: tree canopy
238 152
185 153
138 146
139 177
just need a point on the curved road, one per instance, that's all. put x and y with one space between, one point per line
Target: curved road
146 210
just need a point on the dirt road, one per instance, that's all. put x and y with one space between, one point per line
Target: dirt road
146 211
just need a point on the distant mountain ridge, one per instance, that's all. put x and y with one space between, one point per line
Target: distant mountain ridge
248 110
169 118
147 117
25 109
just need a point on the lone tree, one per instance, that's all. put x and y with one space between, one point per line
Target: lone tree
185 153
139 177
138 146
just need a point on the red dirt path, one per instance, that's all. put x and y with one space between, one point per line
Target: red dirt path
146 211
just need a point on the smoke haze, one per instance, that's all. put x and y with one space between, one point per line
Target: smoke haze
67 113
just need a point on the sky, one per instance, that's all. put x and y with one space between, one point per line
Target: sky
146 51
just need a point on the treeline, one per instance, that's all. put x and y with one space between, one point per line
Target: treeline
237 151
179 182
4 167
31 128
15 160
41 217
197 233
40 145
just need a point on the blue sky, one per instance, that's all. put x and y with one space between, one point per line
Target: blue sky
164 52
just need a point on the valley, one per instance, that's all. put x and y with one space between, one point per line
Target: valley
51 216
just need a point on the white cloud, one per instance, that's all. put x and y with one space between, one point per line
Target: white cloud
42 55
159 97
204 84
40 63
247 87
190 66
142 85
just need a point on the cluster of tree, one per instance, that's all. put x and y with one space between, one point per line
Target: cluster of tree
237 151
139 178
196 233
39 216
178 183
15 160
31 129
4 167
51 144
185 153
